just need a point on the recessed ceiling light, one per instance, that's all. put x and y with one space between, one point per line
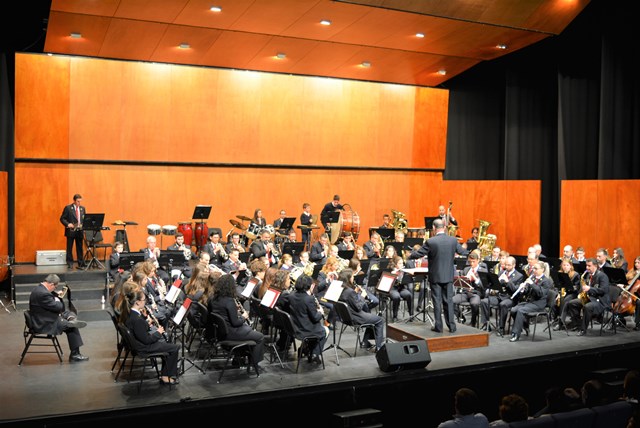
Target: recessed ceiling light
325 22
76 35
184 46
365 64
501 46
281 55
442 72
215 9
420 35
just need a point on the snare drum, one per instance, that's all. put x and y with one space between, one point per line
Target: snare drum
269 228
253 231
185 228
169 230
153 229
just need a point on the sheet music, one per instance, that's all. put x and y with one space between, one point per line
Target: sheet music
174 292
270 297
177 319
386 282
413 271
248 289
334 291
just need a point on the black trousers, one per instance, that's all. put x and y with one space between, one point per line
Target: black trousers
77 238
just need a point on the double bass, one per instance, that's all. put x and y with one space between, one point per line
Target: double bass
626 303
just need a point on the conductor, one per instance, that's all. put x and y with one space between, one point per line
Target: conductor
440 251
329 207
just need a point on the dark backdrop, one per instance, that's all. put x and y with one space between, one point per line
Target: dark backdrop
566 108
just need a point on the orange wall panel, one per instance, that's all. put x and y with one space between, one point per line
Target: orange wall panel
4 220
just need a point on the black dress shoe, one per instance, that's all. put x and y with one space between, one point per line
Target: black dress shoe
514 338
436 330
366 345
75 358
582 333
484 327
462 319
452 331
526 331
69 265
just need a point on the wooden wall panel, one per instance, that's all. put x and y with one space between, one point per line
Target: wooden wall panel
601 214
431 115
4 220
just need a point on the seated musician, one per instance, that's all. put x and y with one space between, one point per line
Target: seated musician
330 207
474 292
559 310
374 246
567 253
592 300
400 288
286 262
580 254
320 250
114 261
234 266
446 217
535 290
277 222
235 243
179 245
327 274
215 249
258 218
156 291
509 279
358 275
386 222
264 247
602 258
307 315
352 296
304 260
360 253
472 243
632 279
346 244
333 252
152 252
618 261
494 256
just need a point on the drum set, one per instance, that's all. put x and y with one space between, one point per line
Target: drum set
250 232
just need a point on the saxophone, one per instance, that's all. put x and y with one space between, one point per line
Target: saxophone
584 298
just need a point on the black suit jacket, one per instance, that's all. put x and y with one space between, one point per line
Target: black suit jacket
46 310
304 314
440 251
69 216
599 291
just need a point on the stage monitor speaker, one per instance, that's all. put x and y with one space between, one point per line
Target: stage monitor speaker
412 354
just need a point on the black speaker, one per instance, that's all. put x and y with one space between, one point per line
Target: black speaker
412 354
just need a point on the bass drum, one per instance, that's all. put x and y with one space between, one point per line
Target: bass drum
349 221
185 228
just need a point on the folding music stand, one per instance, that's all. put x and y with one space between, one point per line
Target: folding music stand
346 254
490 281
580 267
616 276
421 277
244 257
293 248
409 243
128 260
287 224
385 281
386 234
92 223
201 212
169 259
428 223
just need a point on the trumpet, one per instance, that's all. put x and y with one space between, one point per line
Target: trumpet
221 252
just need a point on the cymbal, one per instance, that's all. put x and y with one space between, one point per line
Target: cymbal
243 217
118 223
130 223
237 224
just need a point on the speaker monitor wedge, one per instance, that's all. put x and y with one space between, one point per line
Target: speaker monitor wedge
412 354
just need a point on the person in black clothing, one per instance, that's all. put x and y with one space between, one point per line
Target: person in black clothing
307 315
329 207
72 218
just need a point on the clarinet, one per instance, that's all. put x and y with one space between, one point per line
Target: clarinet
155 322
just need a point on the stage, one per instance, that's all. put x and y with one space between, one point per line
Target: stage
44 392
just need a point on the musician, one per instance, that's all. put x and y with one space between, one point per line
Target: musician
258 270
360 253
223 303
632 278
197 289
307 315
441 250
306 220
535 290
352 296
347 244
400 289
152 252
374 246
532 259
156 291
258 218
329 207
567 253
538 249
494 256
602 258
263 247
386 222
358 275
618 260
566 266
471 295
147 340
235 243
327 274
304 260
446 217
472 243
216 250
509 279
596 298
179 245
286 262
580 257
49 316
320 250
234 266
114 261
72 218
291 238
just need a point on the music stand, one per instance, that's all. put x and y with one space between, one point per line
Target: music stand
293 248
383 287
490 264
287 223
92 223
616 276
580 267
410 242
347 254
128 260
385 234
397 245
244 257
419 275
428 223
169 259
201 212
490 281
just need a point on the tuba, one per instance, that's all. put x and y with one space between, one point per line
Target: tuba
399 221
486 241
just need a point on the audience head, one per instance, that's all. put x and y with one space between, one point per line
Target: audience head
466 401
513 408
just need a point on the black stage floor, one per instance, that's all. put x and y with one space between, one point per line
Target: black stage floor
43 392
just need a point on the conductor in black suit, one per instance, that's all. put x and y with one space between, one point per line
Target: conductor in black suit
441 250
72 218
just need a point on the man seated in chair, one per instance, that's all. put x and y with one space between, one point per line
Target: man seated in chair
49 316
535 290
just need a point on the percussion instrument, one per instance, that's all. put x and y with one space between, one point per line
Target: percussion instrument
185 228
349 221
169 230
253 231
153 229
202 234
414 232
269 228
243 217
237 224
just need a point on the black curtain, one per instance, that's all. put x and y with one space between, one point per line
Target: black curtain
565 108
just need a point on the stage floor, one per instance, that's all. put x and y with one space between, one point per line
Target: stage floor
43 388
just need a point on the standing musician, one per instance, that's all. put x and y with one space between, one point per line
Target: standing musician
235 244
263 247
152 252
346 244
535 290
566 266
72 218
510 279
306 220
386 222
473 294
307 315
320 250
214 247
374 246
446 217
179 245
592 300
329 207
